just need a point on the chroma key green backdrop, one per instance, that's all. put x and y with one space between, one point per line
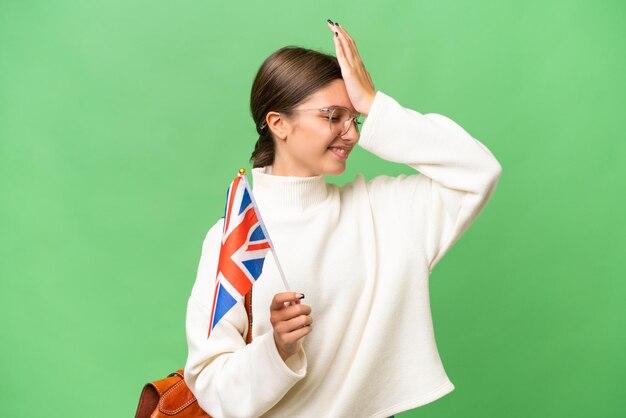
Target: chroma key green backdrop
122 122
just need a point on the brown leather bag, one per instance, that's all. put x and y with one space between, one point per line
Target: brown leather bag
170 397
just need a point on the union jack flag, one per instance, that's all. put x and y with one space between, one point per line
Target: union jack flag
245 243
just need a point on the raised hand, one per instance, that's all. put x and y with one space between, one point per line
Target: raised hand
291 321
356 78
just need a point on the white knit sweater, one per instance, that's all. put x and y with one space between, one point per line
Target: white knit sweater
362 255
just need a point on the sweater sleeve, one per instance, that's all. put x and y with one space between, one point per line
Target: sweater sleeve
457 176
228 377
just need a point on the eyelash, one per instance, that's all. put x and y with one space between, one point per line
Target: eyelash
358 122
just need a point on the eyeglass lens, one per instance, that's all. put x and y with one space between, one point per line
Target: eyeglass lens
341 119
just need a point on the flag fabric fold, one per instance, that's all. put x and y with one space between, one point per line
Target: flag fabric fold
245 244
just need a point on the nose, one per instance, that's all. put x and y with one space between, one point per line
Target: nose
351 135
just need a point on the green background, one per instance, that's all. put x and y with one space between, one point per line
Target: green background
123 121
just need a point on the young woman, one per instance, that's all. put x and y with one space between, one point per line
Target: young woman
361 343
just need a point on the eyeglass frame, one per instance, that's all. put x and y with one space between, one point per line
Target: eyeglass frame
352 121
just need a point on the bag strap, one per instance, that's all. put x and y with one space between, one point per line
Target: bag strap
248 303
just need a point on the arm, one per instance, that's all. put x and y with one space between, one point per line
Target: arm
458 173
228 377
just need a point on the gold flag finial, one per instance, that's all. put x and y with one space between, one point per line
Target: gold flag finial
242 171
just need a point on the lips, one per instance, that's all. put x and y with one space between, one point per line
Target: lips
339 151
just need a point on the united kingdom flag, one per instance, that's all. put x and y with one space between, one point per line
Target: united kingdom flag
245 243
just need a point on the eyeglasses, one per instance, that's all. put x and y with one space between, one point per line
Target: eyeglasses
339 118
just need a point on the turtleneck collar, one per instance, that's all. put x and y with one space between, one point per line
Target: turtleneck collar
280 194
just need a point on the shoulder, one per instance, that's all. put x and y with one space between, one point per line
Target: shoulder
350 190
351 186
207 266
214 234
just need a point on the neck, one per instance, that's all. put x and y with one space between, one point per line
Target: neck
278 195
287 169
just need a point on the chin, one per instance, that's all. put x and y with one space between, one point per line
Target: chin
335 171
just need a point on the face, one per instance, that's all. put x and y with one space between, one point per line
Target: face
306 146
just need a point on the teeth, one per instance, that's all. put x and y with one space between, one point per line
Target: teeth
341 150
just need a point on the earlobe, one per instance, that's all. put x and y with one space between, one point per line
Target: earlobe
276 124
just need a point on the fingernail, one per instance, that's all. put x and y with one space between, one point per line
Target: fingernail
300 295
330 21
336 23
336 34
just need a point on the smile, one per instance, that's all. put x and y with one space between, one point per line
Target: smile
340 152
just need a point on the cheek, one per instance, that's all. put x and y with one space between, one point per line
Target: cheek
315 141
313 150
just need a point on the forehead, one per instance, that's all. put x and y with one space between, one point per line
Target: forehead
334 94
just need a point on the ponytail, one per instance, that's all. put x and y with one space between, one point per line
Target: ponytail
264 150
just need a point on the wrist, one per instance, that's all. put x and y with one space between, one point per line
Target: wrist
367 105
283 354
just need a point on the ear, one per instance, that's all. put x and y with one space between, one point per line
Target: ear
277 124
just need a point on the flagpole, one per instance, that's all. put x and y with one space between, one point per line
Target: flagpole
242 174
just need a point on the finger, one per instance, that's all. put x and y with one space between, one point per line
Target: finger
294 336
295 310
369 77
291 311
293 324
341 51
334 28
352 49
347 35
279 300
355 59
339 47
301 332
